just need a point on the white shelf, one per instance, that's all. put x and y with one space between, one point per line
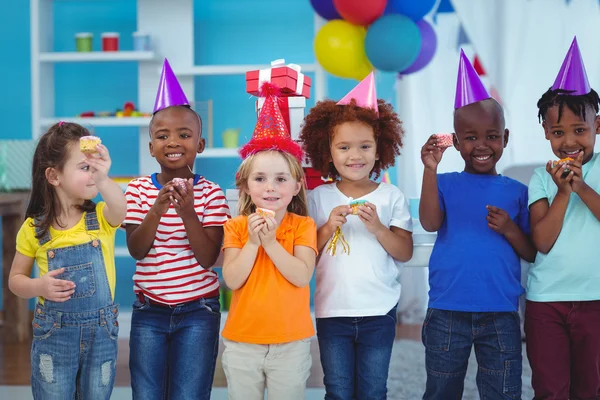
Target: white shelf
231 69
100 121
93 56
219 152
122 251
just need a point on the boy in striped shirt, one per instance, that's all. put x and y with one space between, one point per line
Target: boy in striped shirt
174 227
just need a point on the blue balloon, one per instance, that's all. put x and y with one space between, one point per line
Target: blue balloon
325 9
393 43
413 9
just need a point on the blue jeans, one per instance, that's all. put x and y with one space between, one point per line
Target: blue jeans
73 355
448 337
355 355
173 351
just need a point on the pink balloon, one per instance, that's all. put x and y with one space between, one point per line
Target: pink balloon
360 12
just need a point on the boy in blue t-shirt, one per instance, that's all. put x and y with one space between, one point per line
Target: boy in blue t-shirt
474 270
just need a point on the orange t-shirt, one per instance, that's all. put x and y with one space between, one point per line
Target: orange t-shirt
268 309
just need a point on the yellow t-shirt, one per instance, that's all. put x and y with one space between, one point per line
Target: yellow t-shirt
28 244
268 309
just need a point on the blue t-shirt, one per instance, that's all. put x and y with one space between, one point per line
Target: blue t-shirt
473 268
571 269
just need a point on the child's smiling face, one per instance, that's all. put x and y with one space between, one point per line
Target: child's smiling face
572 134
480 136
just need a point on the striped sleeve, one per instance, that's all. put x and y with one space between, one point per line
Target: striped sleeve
135 213
216 210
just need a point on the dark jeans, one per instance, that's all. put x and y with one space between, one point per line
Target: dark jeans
563 347
448 337
173 350
355 355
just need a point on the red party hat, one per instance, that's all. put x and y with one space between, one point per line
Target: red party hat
271 132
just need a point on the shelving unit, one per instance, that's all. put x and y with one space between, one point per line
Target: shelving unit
171 27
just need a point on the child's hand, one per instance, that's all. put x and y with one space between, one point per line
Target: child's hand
337 217
267 233
431 154
499 220
368 215
183 199
577 183
163 200
556 172
255 224
99 163
53 289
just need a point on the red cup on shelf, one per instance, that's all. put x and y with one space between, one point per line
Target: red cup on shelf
110 41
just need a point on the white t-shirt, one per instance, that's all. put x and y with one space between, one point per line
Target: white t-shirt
365 282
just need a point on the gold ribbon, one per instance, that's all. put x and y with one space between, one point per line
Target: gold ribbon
338 236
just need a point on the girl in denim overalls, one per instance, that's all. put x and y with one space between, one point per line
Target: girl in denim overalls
71 239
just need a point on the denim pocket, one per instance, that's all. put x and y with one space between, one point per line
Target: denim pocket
138 305
112 323
43 327
508 330
512 378
212 305
436 330
82 276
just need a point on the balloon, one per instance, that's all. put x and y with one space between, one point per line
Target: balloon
393 43
360 12
413 9
325 9
428 46
340 49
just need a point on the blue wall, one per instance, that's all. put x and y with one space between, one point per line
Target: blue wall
226 31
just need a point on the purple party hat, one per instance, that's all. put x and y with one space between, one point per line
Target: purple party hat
169 92
469 88
572 74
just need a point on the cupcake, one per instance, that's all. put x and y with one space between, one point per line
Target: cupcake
444 140
561 161
181 183
354 204
263 212
87 144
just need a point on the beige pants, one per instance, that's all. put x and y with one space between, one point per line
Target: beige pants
282 368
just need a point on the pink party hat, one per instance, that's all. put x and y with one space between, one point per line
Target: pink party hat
364 94
469 88
169 92
572 74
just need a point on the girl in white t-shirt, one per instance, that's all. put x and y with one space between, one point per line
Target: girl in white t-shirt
357 276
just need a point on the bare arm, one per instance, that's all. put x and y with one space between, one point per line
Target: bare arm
141 237
238 264
205 241
397 242
22 285
547 220
324 233
116 205
297 268
431 215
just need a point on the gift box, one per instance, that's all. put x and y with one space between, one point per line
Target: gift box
314 178
288 77
292 109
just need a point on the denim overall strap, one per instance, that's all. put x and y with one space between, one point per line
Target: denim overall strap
44 239
84 266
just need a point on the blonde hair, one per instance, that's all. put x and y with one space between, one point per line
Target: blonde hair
245 205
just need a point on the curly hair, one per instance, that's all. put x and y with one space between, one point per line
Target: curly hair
319 127
559 97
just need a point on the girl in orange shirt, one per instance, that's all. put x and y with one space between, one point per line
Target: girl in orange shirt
270 252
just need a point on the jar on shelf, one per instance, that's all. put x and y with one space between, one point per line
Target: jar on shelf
141 41
110 41
83 41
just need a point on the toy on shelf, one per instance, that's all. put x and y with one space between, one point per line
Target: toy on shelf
127 111
110 41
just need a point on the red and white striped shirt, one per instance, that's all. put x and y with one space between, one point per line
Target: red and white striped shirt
170 273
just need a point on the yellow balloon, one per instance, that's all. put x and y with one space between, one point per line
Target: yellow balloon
340 49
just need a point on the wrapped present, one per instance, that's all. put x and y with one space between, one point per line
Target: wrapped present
292 109
314 178
288 77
